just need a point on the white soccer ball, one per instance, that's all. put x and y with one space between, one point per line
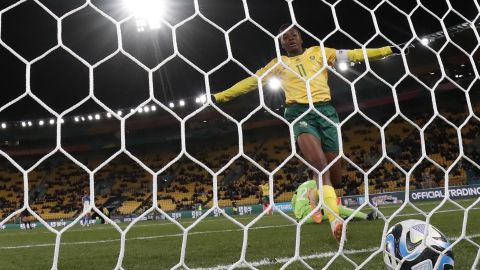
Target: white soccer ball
404 240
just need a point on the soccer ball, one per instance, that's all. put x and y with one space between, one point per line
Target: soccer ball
404 240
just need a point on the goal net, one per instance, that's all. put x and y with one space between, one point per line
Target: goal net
117 151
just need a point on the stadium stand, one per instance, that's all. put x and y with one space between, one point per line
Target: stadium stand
125 187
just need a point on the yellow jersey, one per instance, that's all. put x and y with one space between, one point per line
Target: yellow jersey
264 189
308 66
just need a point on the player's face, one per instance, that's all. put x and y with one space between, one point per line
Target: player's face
292 42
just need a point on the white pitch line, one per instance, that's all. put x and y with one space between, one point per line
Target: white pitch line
142 237
267 261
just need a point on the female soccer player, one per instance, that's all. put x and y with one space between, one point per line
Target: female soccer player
316 137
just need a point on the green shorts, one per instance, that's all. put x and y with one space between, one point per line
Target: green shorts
265 200
314 124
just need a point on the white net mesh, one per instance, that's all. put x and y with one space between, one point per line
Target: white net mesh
298 260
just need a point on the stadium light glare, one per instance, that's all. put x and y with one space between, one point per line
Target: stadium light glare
97 116
140 110
83 118
109 115
41 122
119 113
203 98
76 119
146 109
181 103
146 12
171 105
51 121
274 83
153 108
424 41
90 117
4 126
197 100
29 123
24 124
343 66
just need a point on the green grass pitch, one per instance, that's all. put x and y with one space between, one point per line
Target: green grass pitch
216 243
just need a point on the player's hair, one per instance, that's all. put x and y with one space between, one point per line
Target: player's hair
287 26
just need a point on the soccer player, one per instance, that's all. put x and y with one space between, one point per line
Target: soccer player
26 218
86 206
264 190
316 137
305 200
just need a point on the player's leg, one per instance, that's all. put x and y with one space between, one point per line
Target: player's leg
312 151
347 212
335 169
330 144
309 141
264 202
25 223
85 217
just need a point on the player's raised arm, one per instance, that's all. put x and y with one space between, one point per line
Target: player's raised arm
356 55
242 87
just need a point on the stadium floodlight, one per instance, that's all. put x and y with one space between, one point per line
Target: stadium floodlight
140 110
274 83
90 117
197 100
97 116
119 113
146 12
76 119
109 115
181 103
153 108
343 66
4 126
29 123
83 118
424 41
146 109
24 124
203 98
51 121
171 105
41 122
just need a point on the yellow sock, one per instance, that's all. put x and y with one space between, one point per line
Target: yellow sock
330 199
